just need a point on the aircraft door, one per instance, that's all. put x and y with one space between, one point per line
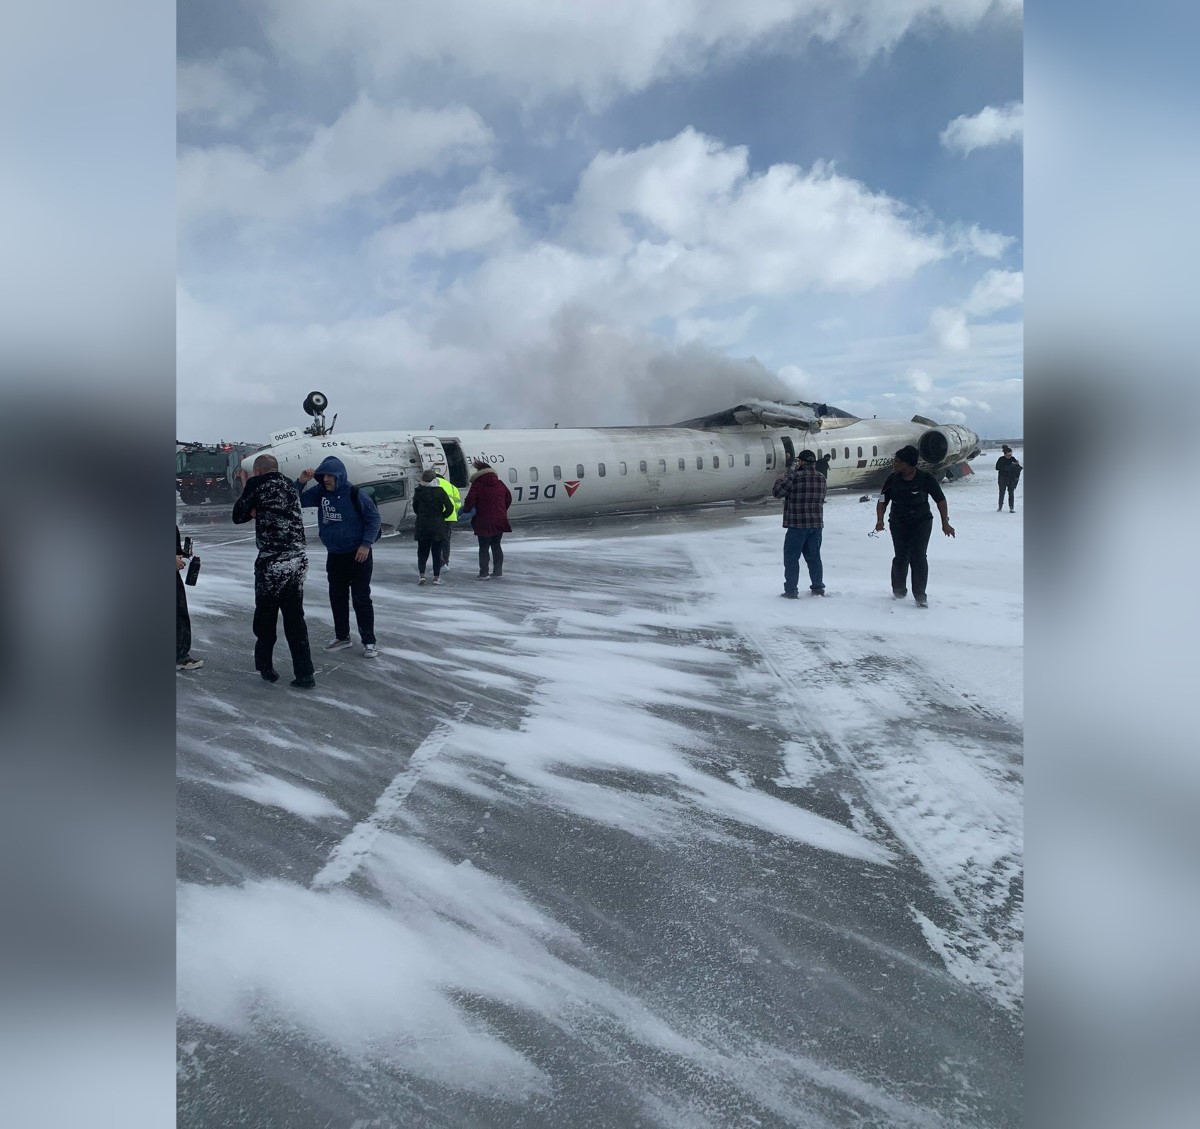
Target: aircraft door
430 453
456 463
788 449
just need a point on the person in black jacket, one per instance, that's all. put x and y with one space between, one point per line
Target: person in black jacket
1008 474
908 490
279 572
432 506
823 466
183 621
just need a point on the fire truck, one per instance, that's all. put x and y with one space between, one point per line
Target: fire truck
209 472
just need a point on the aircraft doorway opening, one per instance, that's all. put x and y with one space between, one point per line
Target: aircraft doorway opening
456 464
788 448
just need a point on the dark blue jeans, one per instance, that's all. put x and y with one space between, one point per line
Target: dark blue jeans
806 543
348 579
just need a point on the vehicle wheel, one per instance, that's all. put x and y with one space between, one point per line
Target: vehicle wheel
315 403
191 496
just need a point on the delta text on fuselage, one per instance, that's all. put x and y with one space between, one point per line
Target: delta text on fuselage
734 455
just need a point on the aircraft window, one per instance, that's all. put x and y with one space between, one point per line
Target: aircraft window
860 452
384 491
747 458
683 464
716 460
847 452
600 469
624 469
699 462
642 466
558 473
579 470
662 466
833 452
533 475
874 451
512 474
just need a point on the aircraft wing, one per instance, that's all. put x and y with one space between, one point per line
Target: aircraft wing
801 416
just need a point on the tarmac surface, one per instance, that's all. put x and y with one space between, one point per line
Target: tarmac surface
621 839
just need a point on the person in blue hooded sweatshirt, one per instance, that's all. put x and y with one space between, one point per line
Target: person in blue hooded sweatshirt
348 522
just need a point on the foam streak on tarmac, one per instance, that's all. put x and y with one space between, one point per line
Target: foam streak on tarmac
352 850
623 839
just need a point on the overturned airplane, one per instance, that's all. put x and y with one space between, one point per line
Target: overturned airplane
734 455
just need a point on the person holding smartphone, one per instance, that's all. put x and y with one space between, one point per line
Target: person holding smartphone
183 621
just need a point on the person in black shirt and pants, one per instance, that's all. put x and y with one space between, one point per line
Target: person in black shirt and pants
1008 474
909 490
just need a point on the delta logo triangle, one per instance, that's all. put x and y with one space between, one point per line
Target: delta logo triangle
571 487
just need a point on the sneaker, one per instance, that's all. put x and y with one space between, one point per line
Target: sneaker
304 683
189 664
921 601
337 644
497 574
437 580
269 675
817 591
789 595
483 576
421 581
370 651
899 593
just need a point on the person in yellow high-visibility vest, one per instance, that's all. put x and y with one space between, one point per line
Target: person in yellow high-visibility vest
456 498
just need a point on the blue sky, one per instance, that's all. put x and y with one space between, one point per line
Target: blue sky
459 213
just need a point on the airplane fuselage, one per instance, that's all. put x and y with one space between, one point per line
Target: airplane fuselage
578 472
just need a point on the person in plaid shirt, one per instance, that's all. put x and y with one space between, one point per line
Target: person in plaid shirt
803 492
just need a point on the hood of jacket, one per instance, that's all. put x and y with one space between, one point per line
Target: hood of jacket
331 464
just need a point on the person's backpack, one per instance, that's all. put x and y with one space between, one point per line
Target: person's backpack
358 507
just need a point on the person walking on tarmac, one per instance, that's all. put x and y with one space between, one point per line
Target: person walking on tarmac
452 520
909 490
348 522
279 570
823 467
1008 474
432 507
487 505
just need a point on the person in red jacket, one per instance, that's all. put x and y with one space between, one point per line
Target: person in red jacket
487 505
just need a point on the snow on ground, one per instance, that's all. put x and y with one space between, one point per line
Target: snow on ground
622 839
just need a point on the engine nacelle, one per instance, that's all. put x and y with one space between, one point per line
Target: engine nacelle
947 443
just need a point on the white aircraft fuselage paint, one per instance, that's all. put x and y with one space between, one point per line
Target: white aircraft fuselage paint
578 472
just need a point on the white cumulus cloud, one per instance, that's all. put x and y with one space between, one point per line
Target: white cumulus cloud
222 92
993 125
595 49
365 148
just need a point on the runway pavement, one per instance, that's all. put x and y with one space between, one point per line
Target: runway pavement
622 839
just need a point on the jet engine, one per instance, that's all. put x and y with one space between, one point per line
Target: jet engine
947 443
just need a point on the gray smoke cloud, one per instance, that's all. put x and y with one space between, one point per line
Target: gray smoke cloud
588 373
